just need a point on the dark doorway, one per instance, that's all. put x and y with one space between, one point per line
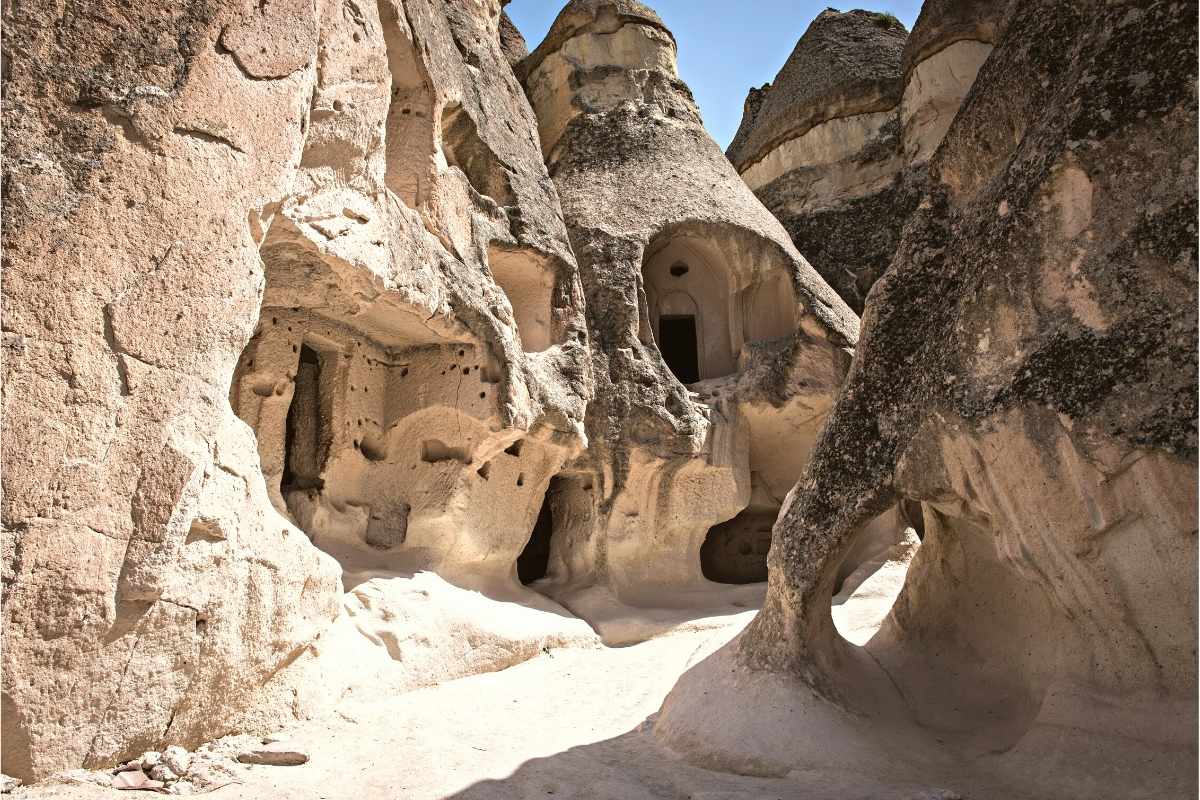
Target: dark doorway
535 558
677 343
736 551
307 439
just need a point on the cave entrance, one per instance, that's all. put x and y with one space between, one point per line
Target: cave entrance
677 343
736 551
534 561
558 509
307 437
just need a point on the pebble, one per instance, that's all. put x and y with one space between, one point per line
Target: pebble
276 754
7 784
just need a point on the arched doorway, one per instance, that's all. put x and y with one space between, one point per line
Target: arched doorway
689 310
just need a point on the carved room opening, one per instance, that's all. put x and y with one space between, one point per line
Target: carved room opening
678 345
308 434
689 307
736 551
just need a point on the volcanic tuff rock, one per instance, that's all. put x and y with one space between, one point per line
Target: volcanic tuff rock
1027 371
331 220
289 281
712 339
835 146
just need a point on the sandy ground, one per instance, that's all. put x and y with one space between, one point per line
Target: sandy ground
571 722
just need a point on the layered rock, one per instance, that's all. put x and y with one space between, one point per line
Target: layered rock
332 219
820 146
949 43
717 350
835 146
1027 371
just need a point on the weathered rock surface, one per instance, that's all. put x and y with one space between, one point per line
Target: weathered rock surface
949 43
713 341
1027 371
835 146
336 219
820 146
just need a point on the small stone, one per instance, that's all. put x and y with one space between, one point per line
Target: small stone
161 772
182 787
178 759
148 759
276 754
7 784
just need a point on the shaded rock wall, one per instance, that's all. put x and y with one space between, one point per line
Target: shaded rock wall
668 236
332 219
1027 371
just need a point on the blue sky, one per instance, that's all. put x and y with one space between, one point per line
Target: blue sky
724 48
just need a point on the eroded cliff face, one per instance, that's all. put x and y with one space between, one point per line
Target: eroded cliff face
1027 371
279 278
717 350
836 146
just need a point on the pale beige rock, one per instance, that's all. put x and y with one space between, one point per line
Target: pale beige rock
667 236
932 96
292 214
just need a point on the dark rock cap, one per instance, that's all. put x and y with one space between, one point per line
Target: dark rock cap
941 23
845 63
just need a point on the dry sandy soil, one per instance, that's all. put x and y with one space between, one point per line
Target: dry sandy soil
570 723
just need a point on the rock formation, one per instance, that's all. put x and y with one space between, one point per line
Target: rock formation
835 145
270 270
348 345
713 341
289 281
1027 371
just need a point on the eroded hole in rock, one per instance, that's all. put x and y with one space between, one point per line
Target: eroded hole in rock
736 551
689 305
527 279
874 570
308 432
563 523
534 560
677 343
736 291
435 450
